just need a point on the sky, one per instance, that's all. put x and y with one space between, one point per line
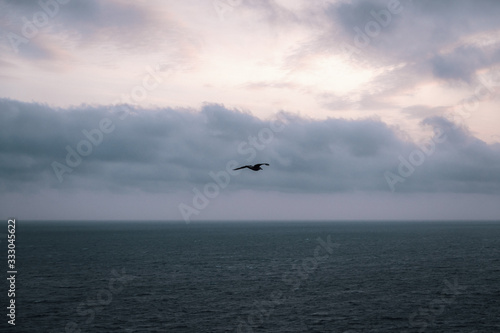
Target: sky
365 110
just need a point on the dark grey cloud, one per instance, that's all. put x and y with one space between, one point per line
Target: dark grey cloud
413 31
167 150
86 17
462 63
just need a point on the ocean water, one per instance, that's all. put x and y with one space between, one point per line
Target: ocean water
347 277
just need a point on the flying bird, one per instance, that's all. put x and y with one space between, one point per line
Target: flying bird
255 167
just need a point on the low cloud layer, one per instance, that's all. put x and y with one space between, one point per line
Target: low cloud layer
122 149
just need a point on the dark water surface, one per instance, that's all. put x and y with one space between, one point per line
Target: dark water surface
257 277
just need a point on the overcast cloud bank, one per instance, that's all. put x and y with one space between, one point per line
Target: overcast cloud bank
166 150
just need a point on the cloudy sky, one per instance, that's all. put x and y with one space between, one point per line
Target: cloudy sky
140 110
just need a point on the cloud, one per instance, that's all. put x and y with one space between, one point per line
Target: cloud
168 150
462 63
50 31
406 43
422 112
412 29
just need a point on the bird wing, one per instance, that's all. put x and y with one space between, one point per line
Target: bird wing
243 167
258 165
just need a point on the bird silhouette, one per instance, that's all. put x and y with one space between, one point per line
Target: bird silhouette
255 167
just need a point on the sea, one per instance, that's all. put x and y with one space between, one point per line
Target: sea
255 276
